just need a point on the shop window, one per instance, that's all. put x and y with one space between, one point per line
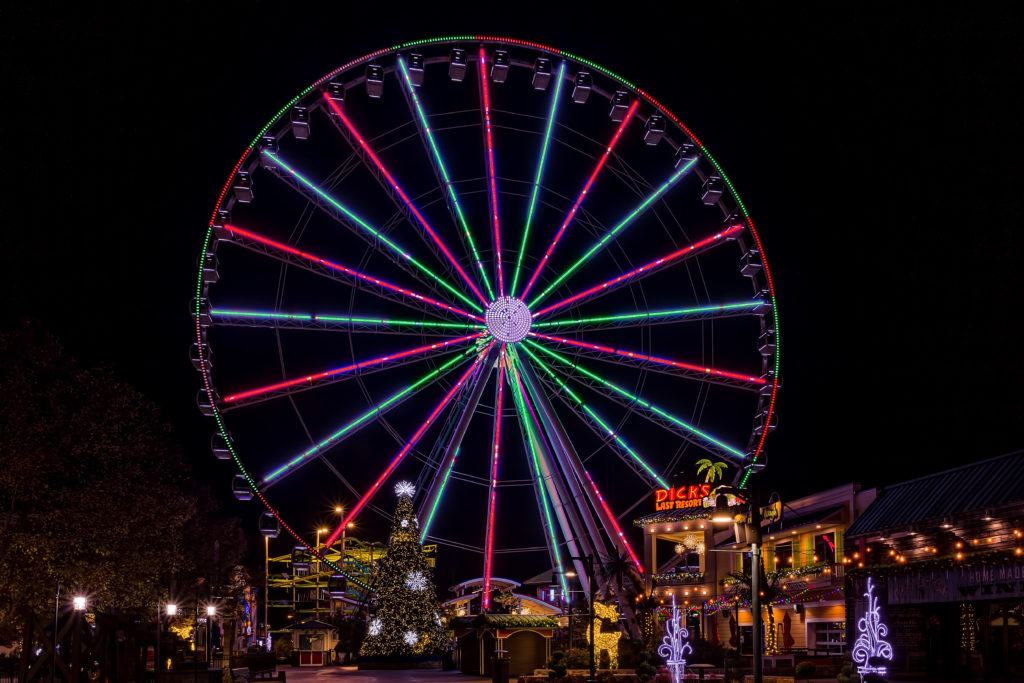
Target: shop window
825 547
311 641
827 637
783 555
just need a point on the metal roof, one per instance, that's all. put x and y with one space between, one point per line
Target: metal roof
989 484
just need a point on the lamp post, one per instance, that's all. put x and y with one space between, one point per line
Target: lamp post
211 612
752 525
171 609
316 609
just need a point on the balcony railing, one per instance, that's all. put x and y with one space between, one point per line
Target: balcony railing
679 579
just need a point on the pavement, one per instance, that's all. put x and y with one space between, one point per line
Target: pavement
350 674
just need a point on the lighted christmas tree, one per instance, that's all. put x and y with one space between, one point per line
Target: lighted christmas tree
405 621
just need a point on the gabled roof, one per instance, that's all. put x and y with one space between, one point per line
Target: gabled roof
994 483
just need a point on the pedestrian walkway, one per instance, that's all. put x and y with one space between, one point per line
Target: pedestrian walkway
348 674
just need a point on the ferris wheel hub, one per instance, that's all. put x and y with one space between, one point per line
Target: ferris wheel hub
508 319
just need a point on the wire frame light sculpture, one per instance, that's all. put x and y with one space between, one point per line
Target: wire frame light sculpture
674 647
871 644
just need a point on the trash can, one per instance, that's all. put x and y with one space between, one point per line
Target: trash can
499 666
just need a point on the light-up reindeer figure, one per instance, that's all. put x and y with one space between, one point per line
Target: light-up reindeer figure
674 647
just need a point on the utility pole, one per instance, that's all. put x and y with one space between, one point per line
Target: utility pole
754 529
266 593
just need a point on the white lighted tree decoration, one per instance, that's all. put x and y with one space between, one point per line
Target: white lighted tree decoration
416 581
674 647
871 643
404 488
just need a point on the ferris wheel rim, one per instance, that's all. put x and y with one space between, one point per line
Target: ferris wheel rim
745 219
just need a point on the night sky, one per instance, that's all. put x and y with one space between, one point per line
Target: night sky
878 151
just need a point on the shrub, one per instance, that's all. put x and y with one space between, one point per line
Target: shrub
804 670
646 669
577 658
557 667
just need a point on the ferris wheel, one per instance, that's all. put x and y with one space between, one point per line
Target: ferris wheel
495 270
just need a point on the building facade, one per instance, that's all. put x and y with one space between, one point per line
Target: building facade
945 553
707 571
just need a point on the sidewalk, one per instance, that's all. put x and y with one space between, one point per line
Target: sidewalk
350 674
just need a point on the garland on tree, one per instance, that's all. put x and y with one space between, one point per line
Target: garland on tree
405 621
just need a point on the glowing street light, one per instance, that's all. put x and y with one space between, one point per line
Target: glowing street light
171 609
79 602
211 611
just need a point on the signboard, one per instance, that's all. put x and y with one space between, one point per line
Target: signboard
958 584
681 497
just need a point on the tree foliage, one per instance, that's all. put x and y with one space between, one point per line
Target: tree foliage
94 493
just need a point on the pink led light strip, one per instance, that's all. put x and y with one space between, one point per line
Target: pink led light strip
409 445
663 261
405 198
579 200
492 183
352 367
702 369
615 524
280 246
492 499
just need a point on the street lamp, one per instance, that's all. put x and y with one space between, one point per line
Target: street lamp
752 526
211 612
171 609
79 603
721 513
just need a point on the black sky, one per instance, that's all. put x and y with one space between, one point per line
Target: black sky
878 149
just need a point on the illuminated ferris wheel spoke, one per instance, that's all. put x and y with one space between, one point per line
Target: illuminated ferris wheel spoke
672 258
409 445
626 221
344 215
579 538
432 499
406 202
442 170
654 413
598 424
679 368
241 317
579 200
334 374
317 264
349 428
492 180
540 489
669 315
541 162
492 492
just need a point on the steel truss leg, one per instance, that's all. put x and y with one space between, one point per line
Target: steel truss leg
573 467
577 541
